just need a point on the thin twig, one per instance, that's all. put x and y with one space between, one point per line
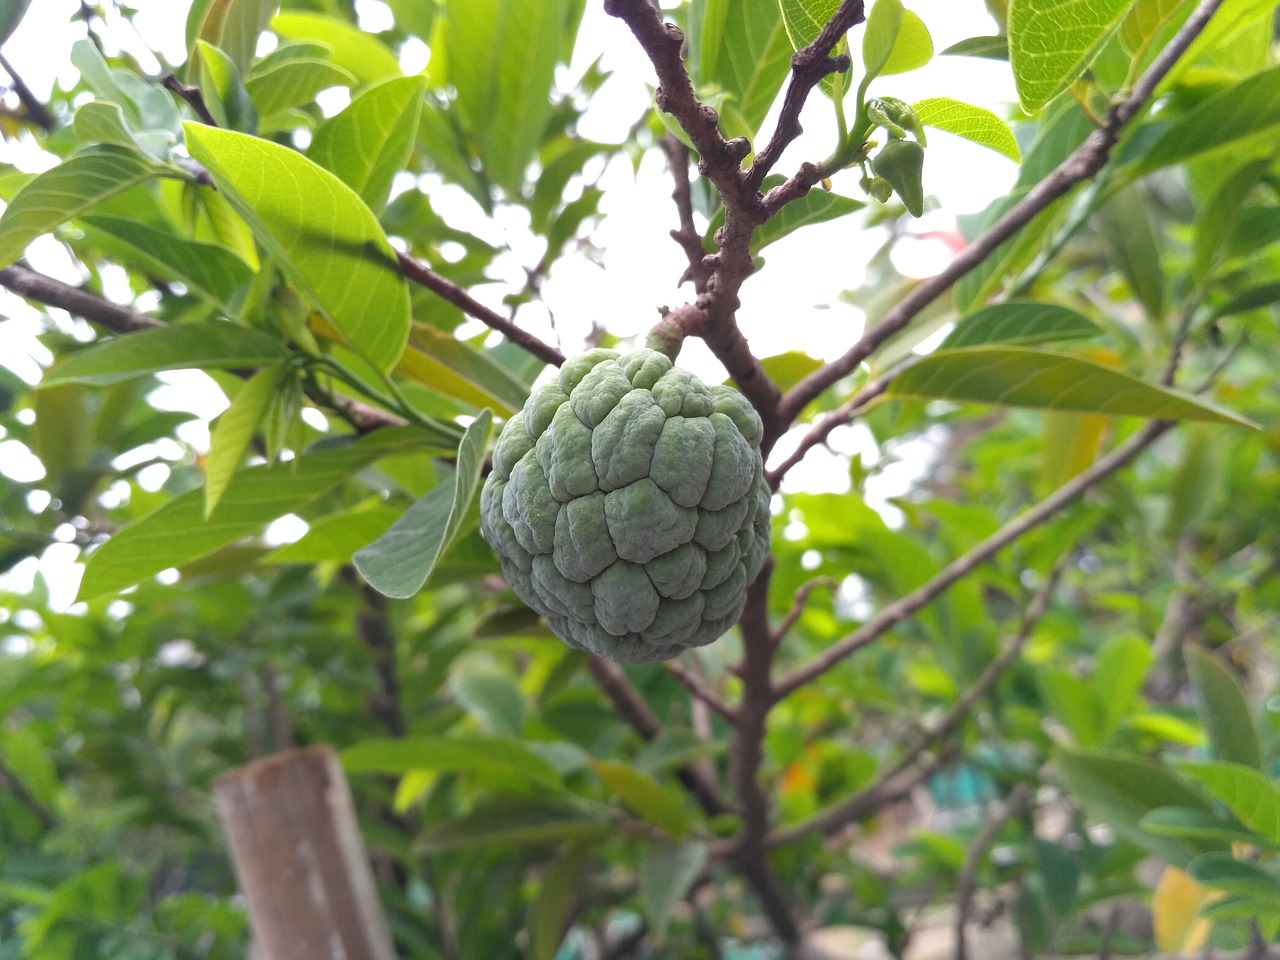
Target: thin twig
965 564
193 96
1085 162
978 850
632 708
798 603
37 112
698 270
693 683
421 274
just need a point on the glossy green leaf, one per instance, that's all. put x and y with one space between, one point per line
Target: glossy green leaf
399 562
212 271
354 50
1019 322
1194 824
986 48
883 24
294 83
369 142
1222 871
1119 789
234 430
973 123
179 532
1016 377
645 797
1051 42
469 754
216 343
1223 708
515 825
224 90
68 190
912 48
321 233
1249 107
1248 794
549 914
495 698
666 873
501 57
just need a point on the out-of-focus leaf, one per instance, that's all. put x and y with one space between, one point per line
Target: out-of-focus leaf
645 797
673 747
986 48
334 538
234 431
1199 825
1051 42
1222 871
977 124
665 875
1224 709
224 91
1016 377
11 14
1244 791
354 50
320 232
549 914
816 206
912 48
515 825
1121 664
368 143
883 24
214 344
1135 248
1196 481
495 697
293 83
1175 908
68 190
1253 298
232 25
1019 323
752 64
470 754
399 562
1217 215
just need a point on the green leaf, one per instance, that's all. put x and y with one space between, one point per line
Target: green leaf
665 874
883 24
1144 20
495 697
645 797
399 562
354 50
224 91
470 754
447 365
501 57
1217 215
674 747
1222 871
100 121
816 206
986 48
1244 791
515 825
179 532
369 142
1119 789
1051 42
321 233
234 431
214 344
1016 377
973 123
753 62
1072 701
1263 295
68 190
212 271
232 25
912 48
335 537
11 14
1247 108
1135 248
1224 709
1059 875
1194 824
549 914
294 82
1020 322
1121 664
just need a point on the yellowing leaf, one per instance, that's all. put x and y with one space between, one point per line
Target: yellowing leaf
1174 912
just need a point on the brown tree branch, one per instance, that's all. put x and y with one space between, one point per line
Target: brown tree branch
698 271
905 606
192 95
1085 162
419 273
611 680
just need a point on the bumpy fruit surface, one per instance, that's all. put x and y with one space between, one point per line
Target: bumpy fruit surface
628 506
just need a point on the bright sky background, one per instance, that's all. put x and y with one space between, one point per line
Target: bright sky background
793 304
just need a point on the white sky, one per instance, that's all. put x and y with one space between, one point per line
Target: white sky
793 304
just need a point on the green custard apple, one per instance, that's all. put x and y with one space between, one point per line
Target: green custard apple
628 505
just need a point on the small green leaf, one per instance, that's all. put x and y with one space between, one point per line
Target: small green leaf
294 82
1202 826
1224 709
68 190
469 754
883 24
321 233
234 431
495 697
645 797
1249 107
215 344
354 50
399 562
1051 42
368 143
100 121
224 91
912 48
1017 377
1250 795
549 914
666 873
1021 323
973 123
986 48
507 825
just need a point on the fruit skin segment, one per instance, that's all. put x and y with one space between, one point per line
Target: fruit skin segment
628 506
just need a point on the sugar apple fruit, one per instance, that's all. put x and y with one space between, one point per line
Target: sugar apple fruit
628 506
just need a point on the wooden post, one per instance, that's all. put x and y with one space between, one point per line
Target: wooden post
299 859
